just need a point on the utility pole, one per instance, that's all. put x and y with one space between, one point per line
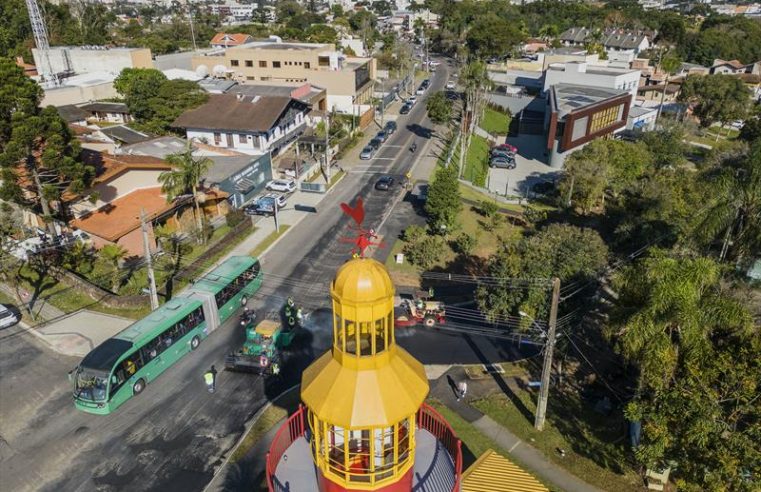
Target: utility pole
192 31
549 347
277 222
327 147
149 262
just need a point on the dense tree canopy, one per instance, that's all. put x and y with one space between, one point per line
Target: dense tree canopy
716 98
443 203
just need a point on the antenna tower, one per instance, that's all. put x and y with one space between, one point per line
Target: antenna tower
40 32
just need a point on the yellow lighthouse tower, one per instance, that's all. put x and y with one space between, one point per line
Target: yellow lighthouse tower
362 395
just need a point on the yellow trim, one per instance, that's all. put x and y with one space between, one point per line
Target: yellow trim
267 328
492 472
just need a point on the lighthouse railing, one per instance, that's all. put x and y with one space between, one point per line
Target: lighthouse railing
292 429
432 421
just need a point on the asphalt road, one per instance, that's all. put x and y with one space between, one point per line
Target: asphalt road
173 435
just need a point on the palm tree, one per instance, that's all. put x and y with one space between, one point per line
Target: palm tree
475 78
113 254
185 177
549 32
669 64
736 213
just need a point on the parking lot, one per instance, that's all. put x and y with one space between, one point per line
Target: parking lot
530 168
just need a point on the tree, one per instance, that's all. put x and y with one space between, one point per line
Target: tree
113 254
669 64
751 130
475 78
18 95
465 244
439 108
426 251
493 36
138 86
734 217
699 371
666 145
321 33
585 180
185 177
444 203
568 252
716 98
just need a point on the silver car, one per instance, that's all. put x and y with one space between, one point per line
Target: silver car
281 185
7 317
367 153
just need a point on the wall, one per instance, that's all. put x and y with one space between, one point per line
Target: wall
87 61
80 94
126 183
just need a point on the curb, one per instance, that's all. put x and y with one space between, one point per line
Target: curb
247 428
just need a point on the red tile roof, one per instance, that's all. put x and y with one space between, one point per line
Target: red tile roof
225 39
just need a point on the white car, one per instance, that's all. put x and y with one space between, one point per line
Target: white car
451 84
412 100
7 317
281 185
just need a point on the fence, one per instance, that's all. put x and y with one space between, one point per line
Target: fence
432 421
292 429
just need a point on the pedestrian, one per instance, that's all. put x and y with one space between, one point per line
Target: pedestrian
210 377
462 390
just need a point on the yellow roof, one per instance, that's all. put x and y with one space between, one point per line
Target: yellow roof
493 472
362 280
364 397
267 327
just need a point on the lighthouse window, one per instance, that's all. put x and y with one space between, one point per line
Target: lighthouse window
380 335
404 439
365 339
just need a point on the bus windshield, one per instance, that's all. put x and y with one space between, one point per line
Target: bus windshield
91 385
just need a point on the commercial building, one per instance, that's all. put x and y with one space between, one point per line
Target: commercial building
588 75
347 81
89 59
364 424
251 125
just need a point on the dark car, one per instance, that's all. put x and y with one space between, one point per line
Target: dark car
382 135
390 127
384 183
405 108
376 143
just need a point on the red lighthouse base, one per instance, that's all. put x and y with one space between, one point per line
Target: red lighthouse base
404 484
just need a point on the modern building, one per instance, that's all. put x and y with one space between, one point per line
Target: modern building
88 59
588 75
579 114
251 125
364 424
348 81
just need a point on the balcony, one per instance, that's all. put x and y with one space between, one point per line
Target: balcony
438 457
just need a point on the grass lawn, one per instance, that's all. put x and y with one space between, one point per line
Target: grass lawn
256 252
495 122
279 410
594 444
334 179
477 161
474 442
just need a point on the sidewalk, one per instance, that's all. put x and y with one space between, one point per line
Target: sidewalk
527 455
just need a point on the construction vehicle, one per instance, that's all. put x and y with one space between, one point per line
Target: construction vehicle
420 310
262 351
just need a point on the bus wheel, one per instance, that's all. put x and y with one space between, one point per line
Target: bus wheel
195 342
429 322
138 387
243 301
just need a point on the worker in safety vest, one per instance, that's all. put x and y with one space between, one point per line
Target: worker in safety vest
210 378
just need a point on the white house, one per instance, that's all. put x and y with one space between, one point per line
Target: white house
251 125
584 74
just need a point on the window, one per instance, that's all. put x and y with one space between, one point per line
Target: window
249 63
233 288
275 64
250 78
234 63
323 61
262 64
605 118
306 65
217 138
242 138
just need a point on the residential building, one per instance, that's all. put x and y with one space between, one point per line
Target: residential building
251 125
108 112
239 175
347 80
226 40
579 114
314 97
89 59
614 40
73 115
734 67
588 75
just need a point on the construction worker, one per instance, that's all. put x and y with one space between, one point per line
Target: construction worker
210 377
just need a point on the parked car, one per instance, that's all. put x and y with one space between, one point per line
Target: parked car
502 153
367 153
411 100
451 84
265 205
7 317
376 142
420 90
502 162
406 107
426 83
286 186
507 146
382 136
384 183
390 127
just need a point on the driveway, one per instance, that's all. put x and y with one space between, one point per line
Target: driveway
530 168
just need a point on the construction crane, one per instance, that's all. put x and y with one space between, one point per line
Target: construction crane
48 76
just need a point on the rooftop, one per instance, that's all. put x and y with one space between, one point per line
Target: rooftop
229 112
124 134
279 45
109 166
230 39
304 92
107 107
569 98
71 113
494 473
583 67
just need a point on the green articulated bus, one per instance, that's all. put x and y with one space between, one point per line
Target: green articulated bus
122 366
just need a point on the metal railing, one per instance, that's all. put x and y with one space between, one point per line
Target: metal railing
432 421
292 429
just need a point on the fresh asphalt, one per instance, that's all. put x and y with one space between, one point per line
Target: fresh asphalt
173 435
